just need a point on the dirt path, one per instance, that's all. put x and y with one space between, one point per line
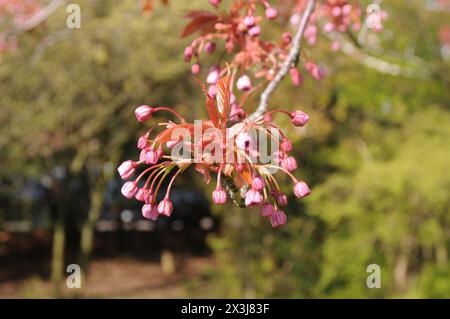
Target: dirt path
119 278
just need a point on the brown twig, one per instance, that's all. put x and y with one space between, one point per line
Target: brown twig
290 62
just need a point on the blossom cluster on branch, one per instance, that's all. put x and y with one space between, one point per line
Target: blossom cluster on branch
231 152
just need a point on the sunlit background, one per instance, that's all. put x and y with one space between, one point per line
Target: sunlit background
375 153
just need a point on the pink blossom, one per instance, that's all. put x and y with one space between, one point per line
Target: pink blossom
188 53
141 194
127 169
267 210
271 13
165 207
301 189
253 198
347 9
299 118
296 77
336 11
258 183
286 145
289 163
213 76
149 156
254 31
150 212
129 189
142 142
210 47
212 90
244 83
214 2
143 113
219 196
195 68
249 21
282 199
278 218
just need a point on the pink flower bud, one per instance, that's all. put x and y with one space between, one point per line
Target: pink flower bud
196 68
165 207
142 142
143 113
210 47
215 2
335 46
219 196
127 169
129 189
289 163
213 77
141 194
301 189
150 212
299 118
188 52
336 11
150 198
282 199
271 13
212 90
287 37
244 83
347 9
328 27
296 77
149 156
278 218
249 21
172 143
229 46
254 31
267 210
286 145
253 198
258 183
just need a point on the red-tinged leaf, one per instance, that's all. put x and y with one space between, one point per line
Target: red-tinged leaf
210 106
200 20
223 97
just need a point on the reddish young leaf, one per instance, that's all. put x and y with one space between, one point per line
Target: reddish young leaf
200 20
210 106
223 97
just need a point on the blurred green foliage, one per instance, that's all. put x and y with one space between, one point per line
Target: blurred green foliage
376 151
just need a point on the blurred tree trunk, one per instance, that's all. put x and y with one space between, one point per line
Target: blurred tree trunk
87 231
59 242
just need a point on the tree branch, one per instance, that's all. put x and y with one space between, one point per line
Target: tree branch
378 64
40 16
290 62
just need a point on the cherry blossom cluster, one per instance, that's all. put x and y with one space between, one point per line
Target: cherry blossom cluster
230 151
239 33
